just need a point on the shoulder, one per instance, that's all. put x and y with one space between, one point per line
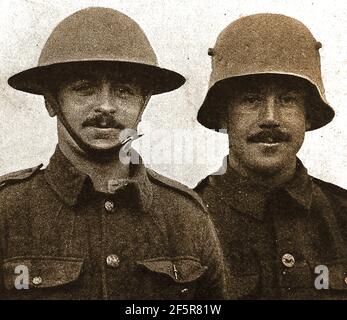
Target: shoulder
18 176
334 192
180 212
16 191
331 188
179 189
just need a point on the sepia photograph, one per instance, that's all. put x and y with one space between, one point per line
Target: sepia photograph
173 150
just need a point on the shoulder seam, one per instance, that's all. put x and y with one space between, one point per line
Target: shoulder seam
325 184
177 186
17 176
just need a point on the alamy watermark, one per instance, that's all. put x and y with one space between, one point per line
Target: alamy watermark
22 280
173 147
322 280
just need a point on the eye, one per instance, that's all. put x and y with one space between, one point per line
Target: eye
123 91
251 98
288 99
84 86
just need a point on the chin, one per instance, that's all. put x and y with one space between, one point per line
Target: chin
104 145
268 166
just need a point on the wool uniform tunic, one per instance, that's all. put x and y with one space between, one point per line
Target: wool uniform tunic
283 243
148 239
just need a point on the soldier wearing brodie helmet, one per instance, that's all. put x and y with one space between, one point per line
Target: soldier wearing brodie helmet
276 223
89 226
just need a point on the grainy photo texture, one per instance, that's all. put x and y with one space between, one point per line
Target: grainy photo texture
177 150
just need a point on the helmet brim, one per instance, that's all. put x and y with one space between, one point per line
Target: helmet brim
157 80
320 114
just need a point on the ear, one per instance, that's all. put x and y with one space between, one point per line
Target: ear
146 97
51 104
307 124
223 119
223 114
308 114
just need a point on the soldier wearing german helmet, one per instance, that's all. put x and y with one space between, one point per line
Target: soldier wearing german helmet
277 224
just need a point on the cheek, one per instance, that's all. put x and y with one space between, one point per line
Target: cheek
296 121
129 110
240 123
75 114
75 108
237 134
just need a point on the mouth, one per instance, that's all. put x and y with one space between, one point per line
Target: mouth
271 144
269 141
269 138
103 125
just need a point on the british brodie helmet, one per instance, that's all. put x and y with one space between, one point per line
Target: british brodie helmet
266 44
97 35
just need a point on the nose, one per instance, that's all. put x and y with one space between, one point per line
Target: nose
269 114
105 103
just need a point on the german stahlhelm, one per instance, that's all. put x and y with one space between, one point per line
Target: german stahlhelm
97 35
266 44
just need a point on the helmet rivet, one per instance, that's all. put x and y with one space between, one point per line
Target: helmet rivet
210 52
318 45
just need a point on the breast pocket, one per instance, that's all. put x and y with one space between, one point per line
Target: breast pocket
41 277
244 276
171 278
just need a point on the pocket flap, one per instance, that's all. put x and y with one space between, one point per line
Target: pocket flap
43 272
180 269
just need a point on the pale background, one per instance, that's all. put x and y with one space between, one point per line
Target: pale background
181 33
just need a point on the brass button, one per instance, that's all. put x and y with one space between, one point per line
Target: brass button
184 291
288 260
37 281
345 280
109 205
113 261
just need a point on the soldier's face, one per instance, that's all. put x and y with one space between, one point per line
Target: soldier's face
266 123
98 106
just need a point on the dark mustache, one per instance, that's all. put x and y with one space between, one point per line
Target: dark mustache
276 134
102 120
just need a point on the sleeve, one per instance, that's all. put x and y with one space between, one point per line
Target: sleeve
2 286
213 285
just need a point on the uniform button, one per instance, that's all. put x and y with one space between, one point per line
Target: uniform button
184 291
288 260
345 280
37 281
113 261
109 205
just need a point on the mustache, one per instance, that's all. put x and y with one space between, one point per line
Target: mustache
102 121
269 135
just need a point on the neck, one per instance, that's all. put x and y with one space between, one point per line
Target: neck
266 178
101 171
